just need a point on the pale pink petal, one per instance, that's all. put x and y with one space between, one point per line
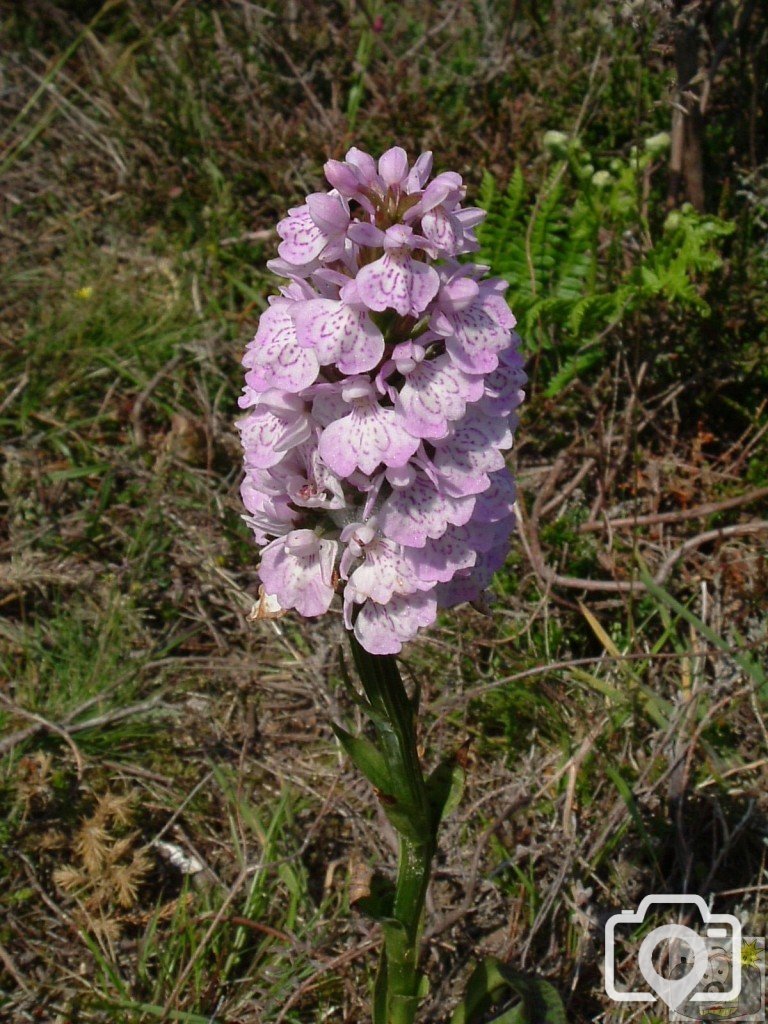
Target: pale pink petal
330 213
384 628
298 570
475 339
393 166
266 436
440 559
495 305
464 459
412 514
364 439
498 500
338 333
503 388
419 173
438 226
396 281
436 393
275 358
303 241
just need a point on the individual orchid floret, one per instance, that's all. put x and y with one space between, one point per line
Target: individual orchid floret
340 331
445 225
497 501
308 482
418 510
474 449
367 436
440 559
316 230
434 393
466 315
274 358
279 422
396 280
298 570
383 569
504 387
384 628
270 514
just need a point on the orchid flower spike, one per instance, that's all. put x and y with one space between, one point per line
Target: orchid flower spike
380 396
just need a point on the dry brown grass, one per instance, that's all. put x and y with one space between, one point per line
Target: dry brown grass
614 748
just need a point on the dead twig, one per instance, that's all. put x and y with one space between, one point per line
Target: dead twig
699 512
10 966
532 547
43 723
68 727
737 530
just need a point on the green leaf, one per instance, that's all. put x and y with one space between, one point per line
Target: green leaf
368 758
493 983
380 990
445 786
388 779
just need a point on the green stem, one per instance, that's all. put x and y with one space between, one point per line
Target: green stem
403 949
398 986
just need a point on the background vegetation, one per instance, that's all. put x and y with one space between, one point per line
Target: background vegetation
179 830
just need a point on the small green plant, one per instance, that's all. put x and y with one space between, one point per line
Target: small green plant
588 252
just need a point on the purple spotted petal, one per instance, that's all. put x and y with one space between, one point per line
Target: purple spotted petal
308 481
495 304
365 438
414 513
498 501
435 393
274 357
464 460
472 337
472 586
439 560
298 570
338 333
303 241
397 281
504 387
384 628
270 516
439 226
268 431
385 571
313 230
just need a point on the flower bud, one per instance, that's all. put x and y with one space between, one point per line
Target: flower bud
657 144
557 143
601 179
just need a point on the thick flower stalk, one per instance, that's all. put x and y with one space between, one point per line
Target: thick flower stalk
380 394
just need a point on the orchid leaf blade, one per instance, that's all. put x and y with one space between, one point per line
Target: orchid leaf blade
493 984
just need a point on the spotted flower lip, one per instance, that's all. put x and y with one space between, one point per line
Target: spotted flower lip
379 402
